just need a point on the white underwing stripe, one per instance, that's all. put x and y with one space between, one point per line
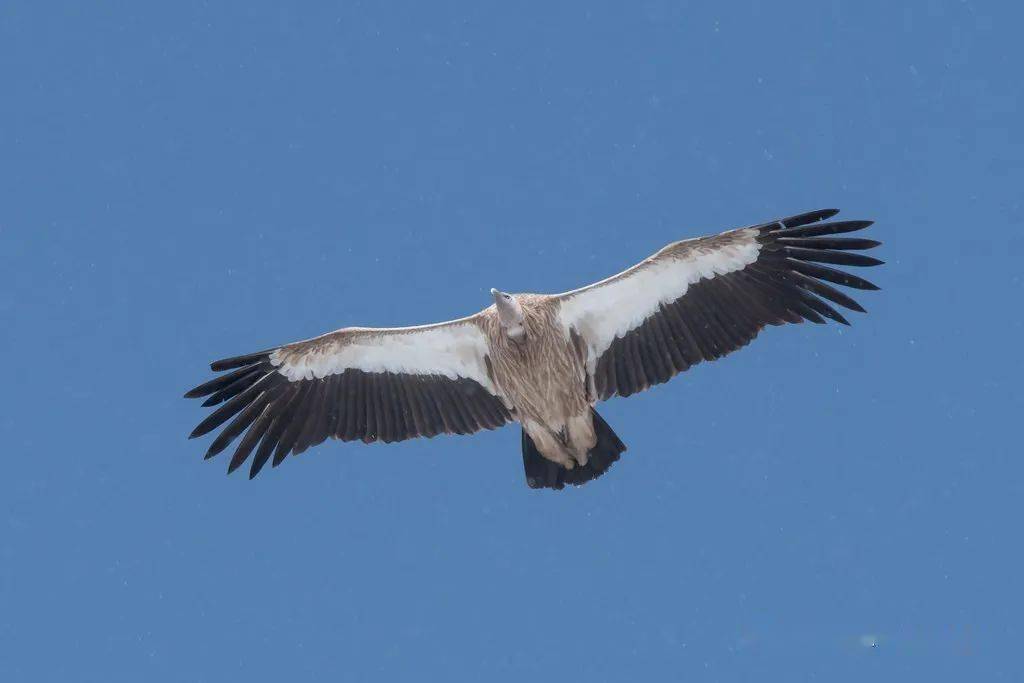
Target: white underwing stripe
453 351
612 308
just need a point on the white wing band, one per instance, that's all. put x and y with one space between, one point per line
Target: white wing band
453 351
611 309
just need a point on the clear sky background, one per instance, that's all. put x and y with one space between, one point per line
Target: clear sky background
186 181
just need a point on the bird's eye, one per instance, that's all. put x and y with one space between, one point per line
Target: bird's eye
507 297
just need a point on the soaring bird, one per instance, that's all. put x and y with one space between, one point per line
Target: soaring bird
542 360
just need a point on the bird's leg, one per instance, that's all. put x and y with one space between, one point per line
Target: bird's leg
581 437
552 448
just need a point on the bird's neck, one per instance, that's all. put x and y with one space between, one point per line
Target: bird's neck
516 333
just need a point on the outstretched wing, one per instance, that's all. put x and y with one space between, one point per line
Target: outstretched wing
703 298
356 383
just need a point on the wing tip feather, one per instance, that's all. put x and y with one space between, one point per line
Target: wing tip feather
240 361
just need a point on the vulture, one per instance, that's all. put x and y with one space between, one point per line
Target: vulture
542 360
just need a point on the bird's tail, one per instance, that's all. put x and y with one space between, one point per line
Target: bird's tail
543 473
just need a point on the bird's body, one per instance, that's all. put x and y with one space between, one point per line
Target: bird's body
541 360
542 374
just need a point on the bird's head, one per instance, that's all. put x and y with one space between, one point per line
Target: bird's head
510 313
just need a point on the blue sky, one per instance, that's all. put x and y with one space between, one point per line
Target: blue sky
186 181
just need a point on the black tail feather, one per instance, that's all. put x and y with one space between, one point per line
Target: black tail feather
543 473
